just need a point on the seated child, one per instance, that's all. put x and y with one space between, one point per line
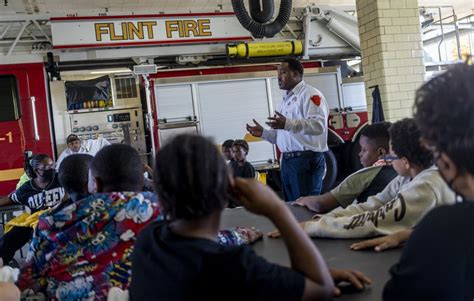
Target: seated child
227 150
437 262
240 166
43 191
178 258
372 179
416 190
82 248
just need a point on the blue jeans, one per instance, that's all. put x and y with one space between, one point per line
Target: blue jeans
302 174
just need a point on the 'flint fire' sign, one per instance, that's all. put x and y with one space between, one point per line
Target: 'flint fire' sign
113 31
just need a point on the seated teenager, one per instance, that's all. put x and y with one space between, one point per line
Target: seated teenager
372 179
437 262
42 192
416 190
82 248
178 258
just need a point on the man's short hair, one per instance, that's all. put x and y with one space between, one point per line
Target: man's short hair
405 139
295 65
72 138
74 173
228 143
119 168
378 134
444 110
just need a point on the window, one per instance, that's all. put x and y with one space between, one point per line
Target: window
126 87
9 100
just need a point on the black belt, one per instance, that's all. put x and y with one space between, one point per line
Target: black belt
288 155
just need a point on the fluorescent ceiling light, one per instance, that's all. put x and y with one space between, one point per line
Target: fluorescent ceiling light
109 71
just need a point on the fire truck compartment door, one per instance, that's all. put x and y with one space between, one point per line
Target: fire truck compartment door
226 106
174 102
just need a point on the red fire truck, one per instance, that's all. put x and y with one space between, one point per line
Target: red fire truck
168 74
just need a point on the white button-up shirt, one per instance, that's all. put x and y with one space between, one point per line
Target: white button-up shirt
90 147
306 121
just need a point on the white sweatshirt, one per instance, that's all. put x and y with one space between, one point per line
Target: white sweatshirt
401 205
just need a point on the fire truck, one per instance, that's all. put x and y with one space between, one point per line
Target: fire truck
141 79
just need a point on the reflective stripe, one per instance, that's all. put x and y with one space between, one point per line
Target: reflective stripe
11 174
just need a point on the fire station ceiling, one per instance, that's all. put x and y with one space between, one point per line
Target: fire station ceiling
88 7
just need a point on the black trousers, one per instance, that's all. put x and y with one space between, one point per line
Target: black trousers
12 241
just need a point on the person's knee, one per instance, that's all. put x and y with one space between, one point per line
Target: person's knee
9 292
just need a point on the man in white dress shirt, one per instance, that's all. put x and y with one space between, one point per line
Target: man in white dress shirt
299 129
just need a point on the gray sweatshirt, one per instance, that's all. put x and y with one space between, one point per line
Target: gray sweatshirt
401 205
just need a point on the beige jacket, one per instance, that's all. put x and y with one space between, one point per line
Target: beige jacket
401 205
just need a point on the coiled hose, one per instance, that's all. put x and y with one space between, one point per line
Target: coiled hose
259 30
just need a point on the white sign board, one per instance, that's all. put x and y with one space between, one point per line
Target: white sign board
135 30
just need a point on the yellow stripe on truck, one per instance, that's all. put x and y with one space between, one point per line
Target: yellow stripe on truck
250 138
11 174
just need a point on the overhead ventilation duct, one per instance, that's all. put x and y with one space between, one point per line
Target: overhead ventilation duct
261 14
258 29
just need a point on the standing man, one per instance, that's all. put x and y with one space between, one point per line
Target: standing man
299 129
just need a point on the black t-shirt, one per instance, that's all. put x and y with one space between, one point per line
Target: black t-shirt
166 266
381 180
438 261
36 198
244 171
